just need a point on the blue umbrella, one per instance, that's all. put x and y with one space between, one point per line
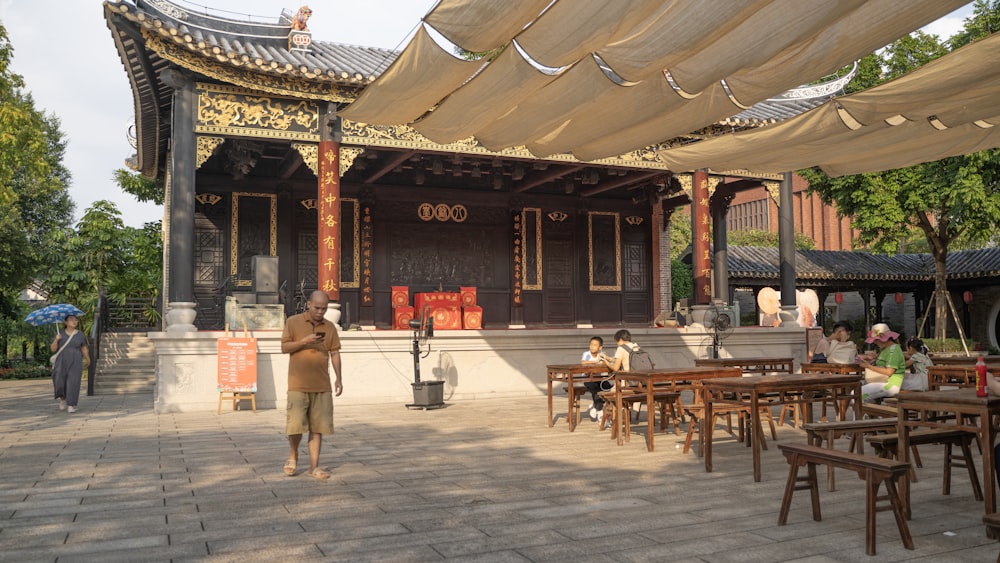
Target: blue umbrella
52 314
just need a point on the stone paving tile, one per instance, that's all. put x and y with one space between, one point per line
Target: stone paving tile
478 481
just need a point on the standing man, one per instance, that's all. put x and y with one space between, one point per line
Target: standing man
313 344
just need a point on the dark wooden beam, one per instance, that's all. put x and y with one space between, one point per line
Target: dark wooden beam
292 162
392 163
547 177
619 182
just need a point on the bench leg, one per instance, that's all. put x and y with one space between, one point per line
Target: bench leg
897 512
871 496
966 445
786 500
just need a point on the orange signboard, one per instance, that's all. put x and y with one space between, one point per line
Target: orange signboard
238 365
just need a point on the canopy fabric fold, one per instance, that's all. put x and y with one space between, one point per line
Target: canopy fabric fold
619 101
889 126
403 92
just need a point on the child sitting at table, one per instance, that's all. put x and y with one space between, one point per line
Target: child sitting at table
917 363
595 355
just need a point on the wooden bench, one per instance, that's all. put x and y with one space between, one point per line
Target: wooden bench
887 446
819 432
873 470
664 401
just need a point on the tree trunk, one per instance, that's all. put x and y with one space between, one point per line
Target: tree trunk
940 294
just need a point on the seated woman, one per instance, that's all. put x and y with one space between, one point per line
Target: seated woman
917 362
836 348
890 363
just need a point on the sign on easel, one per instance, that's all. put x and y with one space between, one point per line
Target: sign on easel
237 370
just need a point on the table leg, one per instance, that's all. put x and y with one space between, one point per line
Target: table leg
707 425
755 428
569 411
550 400
649 416
988 434
903 452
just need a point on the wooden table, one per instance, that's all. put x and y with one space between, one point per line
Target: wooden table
668 379
751 366
570 374
832 368
925 404
949 360
788 389
961 376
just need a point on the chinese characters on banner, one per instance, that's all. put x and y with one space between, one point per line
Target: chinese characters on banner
518 261
367 294
702 265
328 205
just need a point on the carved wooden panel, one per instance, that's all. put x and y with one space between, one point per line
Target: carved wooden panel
557 300
443 253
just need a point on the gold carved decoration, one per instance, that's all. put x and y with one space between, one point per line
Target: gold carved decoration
309 87
687 182
634 220
226 110
206 148
234 232
347 156
402 136
618 251
557 216
356 251
713 182
442 212
537 236
309 203
208 199
310 155
774 190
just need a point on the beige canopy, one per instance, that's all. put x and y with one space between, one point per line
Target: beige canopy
600 79
946 108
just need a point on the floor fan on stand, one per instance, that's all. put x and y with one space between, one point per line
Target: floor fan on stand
426 394
719 322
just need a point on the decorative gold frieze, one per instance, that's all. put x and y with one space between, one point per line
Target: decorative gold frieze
206 147
242 73
208 199
227 110
774 190
347 156
310 156
402 136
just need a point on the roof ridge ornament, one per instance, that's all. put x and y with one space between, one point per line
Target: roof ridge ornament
299 36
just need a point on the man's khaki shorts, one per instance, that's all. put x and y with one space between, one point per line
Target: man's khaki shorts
309 412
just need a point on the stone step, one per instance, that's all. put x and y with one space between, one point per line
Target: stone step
127 364
122 388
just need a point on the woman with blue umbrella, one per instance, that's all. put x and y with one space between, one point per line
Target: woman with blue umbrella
69 349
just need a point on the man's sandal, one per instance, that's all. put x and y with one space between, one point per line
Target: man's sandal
290 467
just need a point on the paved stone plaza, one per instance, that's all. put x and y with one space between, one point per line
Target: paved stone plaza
482 480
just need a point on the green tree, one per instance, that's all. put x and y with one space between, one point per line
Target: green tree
954 199
755 237
33 182
143 189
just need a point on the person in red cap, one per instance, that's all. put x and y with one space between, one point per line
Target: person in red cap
891 363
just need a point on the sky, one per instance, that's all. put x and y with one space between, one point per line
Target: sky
65 53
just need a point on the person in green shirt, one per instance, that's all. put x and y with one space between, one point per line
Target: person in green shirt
890 363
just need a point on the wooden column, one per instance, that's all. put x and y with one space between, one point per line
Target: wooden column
700 263
328 204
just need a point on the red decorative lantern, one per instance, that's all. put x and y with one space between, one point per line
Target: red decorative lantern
899 298
838 297
967 297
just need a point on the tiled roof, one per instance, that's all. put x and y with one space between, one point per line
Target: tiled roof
753 262
257 46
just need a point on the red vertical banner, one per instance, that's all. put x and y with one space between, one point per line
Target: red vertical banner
328 205
701 264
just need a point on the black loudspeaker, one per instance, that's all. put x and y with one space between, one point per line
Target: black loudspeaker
264 270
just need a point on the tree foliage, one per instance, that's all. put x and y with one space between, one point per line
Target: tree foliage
33 182
755 237
951 202
143 189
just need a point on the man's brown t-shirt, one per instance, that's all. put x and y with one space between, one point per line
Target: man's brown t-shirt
307 368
